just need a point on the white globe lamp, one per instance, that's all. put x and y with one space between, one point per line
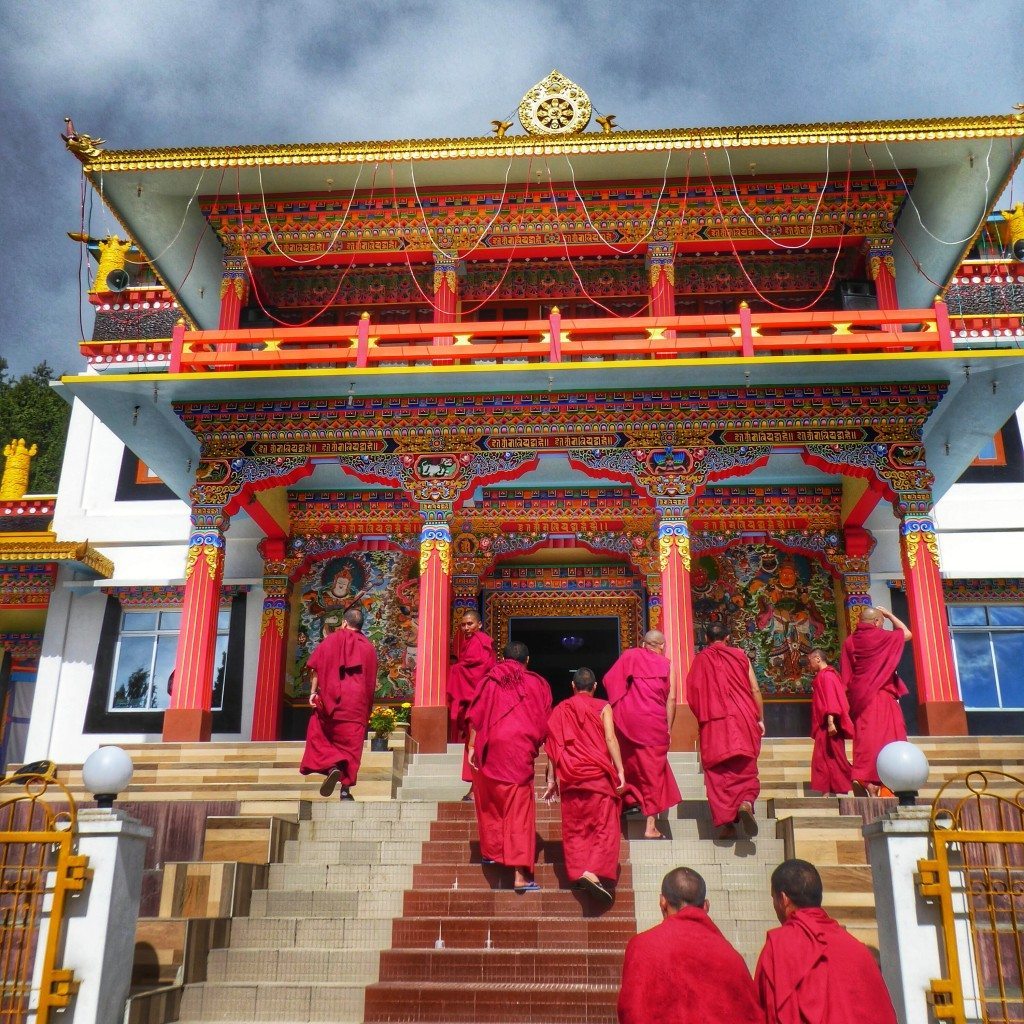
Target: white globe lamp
106 773
904 769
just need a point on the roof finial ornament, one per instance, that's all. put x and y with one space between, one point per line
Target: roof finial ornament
85 147
555 106
499 127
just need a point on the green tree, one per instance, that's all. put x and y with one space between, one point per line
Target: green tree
31 409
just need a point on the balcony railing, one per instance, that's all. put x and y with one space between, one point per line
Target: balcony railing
741 335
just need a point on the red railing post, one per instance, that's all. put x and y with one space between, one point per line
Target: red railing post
942 324
746 332
177 344
555 322
363 341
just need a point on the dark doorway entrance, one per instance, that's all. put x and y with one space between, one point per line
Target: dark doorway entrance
560 645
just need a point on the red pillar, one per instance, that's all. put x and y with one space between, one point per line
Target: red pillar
882 269
677 619
188 717
234 290
266 712
940 709
429 728
661 276
446 292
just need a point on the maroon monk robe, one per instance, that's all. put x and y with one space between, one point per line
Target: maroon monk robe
813 969
869 661
638 688
831 771
684 971
346 670
586 785
465 677
510 718
718 691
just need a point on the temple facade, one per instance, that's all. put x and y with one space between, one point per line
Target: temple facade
585 380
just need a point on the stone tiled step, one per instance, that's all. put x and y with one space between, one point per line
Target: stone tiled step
551 902
494 876
310 933
514 932
310 877
339 1002
355 897
443 852
450 1002
331 851
550 966
308 966
378 827
337 810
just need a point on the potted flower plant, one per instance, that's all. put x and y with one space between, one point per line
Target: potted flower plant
382 725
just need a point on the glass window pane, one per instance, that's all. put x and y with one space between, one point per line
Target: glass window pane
1010 665
975 669
170 620
220 666
130 688
135 621
223 619
166 648
1006 614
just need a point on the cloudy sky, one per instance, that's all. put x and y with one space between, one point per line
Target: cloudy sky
154 73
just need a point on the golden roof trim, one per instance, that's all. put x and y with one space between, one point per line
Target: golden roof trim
994 125
42 548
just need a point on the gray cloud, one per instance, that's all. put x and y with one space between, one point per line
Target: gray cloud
196 73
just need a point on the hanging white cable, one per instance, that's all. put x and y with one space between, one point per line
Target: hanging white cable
917 212
654 217
181 226
483 234
757 227
330 248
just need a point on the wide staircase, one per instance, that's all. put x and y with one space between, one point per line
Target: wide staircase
290 908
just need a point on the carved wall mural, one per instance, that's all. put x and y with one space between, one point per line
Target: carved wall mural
778 605
385 585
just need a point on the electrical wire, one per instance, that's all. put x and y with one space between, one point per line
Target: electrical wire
917 212
756 226
732 242
184 217
330 247
202 235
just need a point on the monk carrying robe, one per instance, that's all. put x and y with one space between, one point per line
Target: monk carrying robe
812 968
640 691
831 727
869 660
508 722
724 696
684 970
343 679
582 749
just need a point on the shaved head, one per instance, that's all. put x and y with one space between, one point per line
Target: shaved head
471 613
872 616
654 636
683 887
584 679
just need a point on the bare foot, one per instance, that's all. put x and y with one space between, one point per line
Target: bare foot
652 832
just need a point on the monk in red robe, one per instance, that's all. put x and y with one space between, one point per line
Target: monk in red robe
343 678
476 659
870 657
813 969
684 970
508 722
588 776
831 771
724 696
640 692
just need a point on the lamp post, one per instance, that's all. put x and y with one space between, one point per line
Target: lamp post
904 769
106 773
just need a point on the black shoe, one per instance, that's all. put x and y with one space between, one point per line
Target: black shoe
345 794
327 788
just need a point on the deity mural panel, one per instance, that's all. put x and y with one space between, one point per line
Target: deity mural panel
778 605
385 585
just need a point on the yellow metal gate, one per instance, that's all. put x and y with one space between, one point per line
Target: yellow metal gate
977 875
38 868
